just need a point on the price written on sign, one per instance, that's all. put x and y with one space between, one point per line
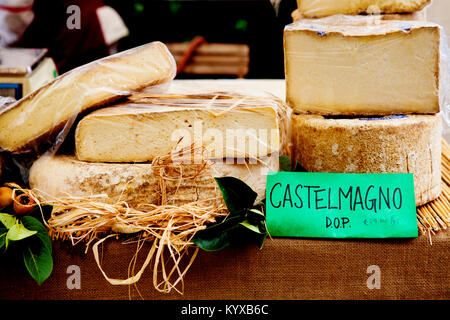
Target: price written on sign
341 205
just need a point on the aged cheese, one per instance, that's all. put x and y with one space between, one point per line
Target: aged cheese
44 112
395 144
323 8
417 15
147 128
64 176
343 66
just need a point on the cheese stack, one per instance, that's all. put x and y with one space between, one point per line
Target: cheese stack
367 96
122 149
119 149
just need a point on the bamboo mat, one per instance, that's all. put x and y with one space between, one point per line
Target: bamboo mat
435 215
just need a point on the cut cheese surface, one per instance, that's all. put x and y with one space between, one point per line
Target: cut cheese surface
64 176
323 8
147 128
342 66
45 111
394 144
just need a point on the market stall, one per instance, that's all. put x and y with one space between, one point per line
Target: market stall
120 181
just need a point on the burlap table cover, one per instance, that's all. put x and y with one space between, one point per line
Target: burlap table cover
288 269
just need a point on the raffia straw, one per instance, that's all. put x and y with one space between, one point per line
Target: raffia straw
170 227
435 215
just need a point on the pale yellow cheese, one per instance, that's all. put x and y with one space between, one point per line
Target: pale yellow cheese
343 66
43 113
323 8
142 130
64 176
395 144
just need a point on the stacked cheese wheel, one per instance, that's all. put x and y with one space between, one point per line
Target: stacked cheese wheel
367 90
142 148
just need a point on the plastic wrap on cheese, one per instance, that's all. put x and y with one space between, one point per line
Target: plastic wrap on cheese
222 125
42 119
324 8
352 65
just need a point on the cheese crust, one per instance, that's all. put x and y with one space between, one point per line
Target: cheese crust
396 144
64 176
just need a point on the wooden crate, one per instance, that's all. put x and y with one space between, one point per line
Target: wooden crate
218 59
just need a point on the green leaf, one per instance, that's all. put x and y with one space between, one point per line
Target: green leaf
285 163
250 226
3 233
217 236
261 240
34 224
257 212
7 220
216 243
37 256
298 167
19 232
237 195
38 261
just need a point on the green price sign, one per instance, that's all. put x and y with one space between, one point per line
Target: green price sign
341 205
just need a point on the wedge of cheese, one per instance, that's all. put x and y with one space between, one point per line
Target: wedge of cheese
390 144
323 8
64 176
158 126
339 65
44 112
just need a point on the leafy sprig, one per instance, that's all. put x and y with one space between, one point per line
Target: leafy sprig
29 236
246 219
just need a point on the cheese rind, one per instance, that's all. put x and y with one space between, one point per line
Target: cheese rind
63 176
396 144
323 8
142 130
338 66
417 15
43 113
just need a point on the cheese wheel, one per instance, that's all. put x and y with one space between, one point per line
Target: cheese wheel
64 176
323 8
41 115
395 144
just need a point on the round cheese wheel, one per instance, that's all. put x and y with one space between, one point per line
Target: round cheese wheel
392 144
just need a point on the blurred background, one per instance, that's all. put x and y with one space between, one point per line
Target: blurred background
232 38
